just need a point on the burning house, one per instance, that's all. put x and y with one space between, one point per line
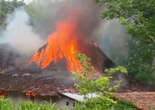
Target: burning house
36 60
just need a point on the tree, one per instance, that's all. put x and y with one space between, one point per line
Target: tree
7 7
101 86
139 17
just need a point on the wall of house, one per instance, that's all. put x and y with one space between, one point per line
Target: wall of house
59 101
65 103
17 98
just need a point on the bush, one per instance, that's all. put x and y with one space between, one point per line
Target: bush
101 86
123 105
6 104
34 106
91 104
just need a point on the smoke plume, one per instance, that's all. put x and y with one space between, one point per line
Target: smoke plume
114 41
47 14
27 31
19 34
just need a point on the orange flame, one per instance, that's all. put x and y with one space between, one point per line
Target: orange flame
61 45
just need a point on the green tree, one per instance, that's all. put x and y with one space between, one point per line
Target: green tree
139 17
7 7
101 86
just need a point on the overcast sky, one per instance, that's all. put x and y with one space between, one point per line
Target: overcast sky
27 1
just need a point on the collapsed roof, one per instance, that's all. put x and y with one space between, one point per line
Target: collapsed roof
24 77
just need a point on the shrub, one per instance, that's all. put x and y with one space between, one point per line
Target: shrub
6 104
34 106
124 105
91 82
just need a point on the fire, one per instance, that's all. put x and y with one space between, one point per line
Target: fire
62 44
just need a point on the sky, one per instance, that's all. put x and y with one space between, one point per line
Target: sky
26 1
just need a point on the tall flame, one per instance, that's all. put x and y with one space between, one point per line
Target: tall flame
61 45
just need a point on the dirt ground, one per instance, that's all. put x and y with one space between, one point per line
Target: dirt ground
141 95
142 100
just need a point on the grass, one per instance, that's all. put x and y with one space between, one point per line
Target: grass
6 104
123 105
34 106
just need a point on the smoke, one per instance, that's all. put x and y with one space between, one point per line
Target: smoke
114 41
27 31
19 34
111 36
47 14
28 28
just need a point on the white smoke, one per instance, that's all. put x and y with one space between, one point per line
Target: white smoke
112 37
114 41
19 34
45 14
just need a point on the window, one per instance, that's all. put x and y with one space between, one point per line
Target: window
67 103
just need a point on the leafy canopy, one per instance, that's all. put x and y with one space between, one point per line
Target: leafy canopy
7 7
139 17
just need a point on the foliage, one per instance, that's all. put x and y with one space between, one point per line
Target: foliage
139 17
90 83
7 7
120 105
34 106
112 71
123 105
6 104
